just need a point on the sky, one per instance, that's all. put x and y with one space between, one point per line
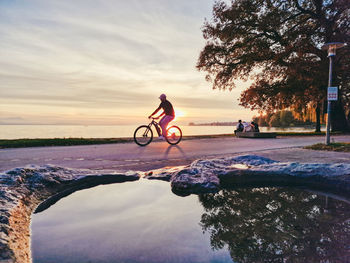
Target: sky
104 62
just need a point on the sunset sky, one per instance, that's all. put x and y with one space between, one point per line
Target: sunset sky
106 62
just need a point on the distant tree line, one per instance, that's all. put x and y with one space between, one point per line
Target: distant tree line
284 118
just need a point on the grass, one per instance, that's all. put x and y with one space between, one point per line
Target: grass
336 146
22 143
300 133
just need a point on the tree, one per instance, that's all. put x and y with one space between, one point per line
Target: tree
275 121
262 121
286 118
278 43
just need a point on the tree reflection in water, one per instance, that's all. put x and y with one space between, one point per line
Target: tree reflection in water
277 225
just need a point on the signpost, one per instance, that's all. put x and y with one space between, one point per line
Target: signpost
332 93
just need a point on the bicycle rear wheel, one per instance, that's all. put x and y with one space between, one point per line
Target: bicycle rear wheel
174 135
143 135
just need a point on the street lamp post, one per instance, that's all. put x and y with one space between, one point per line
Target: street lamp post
331 47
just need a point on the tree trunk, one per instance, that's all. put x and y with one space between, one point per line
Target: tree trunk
318 117
338 118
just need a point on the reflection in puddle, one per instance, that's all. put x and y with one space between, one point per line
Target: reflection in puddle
144 222
277 225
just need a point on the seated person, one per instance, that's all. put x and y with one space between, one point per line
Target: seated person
255 126
247 127
239 127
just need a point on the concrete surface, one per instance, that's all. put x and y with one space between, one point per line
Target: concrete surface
129 156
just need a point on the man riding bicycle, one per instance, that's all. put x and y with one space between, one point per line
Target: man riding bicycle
168 111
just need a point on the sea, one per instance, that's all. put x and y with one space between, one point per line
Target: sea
114 131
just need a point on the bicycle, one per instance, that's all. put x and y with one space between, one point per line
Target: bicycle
143 135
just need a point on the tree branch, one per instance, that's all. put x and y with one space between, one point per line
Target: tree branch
303 10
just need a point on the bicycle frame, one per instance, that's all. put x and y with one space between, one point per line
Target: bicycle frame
156 125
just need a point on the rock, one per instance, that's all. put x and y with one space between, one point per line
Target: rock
210 175
163 174
204 176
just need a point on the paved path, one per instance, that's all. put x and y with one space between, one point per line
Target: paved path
158 154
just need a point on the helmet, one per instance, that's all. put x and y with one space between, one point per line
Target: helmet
162 96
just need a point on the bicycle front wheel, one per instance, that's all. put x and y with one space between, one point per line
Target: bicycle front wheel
174 135
143 135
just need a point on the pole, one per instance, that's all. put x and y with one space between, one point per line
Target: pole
328 139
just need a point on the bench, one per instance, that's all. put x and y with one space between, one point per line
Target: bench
256 134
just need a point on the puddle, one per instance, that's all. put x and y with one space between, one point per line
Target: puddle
144 221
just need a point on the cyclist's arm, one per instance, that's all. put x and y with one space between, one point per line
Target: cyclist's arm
160 115
155 112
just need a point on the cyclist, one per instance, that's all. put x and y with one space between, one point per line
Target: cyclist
168 112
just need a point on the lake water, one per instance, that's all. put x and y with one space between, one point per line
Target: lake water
144 221
117 131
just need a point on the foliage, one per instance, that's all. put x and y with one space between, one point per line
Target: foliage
276 225
337 147
263 120
277 44
286 118
283 118
275 120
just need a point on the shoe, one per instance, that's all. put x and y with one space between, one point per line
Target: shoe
161 138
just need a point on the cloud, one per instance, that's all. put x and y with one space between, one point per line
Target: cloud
87 56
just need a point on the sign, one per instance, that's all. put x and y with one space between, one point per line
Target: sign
332 93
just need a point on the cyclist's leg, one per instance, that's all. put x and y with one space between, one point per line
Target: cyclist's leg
159 132
164 123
